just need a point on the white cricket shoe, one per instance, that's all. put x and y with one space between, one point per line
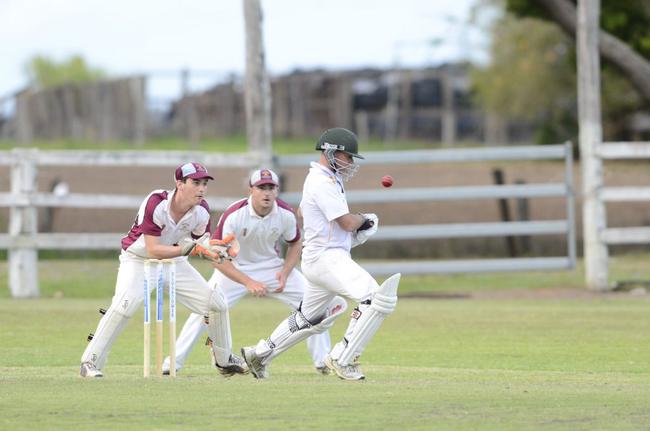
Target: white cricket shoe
88 369
254 362
345 372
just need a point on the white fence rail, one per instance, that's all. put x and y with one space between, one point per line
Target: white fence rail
547 227
23 240
624 151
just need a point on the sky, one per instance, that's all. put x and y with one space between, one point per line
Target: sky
161 37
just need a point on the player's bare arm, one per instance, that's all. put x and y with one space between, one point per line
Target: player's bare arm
231 271
156 250
351 222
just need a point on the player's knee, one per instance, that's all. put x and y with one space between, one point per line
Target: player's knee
297 321
335 308
217 301
125 306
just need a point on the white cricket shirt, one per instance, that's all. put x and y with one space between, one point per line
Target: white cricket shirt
258 236
323 201
153 219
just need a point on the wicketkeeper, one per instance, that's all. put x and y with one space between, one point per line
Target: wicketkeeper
258 222
169 225
330 231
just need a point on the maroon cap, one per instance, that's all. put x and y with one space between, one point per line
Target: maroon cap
193 170
264 176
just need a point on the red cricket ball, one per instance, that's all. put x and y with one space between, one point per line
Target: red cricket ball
386 181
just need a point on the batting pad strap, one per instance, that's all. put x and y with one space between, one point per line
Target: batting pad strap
286 335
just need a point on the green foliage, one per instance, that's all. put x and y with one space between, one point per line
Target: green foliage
629 20
532 77
45 72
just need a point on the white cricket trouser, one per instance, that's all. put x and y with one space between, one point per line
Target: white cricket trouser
334 273
194 328
191 289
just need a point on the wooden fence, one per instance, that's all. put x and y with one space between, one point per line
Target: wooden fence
23 240
95 111
431 104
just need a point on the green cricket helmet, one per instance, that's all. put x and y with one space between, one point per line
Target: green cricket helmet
339 139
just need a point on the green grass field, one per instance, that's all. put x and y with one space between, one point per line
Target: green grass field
550 363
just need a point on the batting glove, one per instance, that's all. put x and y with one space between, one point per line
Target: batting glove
367 229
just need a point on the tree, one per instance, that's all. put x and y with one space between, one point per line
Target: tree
624 40
532 77
45 72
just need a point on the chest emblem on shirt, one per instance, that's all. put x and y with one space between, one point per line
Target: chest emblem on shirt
185 227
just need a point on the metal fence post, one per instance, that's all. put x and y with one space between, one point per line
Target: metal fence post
23 259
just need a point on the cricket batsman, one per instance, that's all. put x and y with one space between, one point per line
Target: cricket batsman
330 232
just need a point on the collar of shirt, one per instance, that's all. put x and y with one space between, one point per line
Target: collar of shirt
327 171
252 213
168 203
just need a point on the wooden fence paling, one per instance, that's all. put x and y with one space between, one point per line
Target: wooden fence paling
102 110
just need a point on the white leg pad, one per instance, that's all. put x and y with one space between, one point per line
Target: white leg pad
295 328
384 301
109 328
359 310
219 333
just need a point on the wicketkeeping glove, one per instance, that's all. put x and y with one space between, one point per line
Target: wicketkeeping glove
216 250
188 244
224 249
